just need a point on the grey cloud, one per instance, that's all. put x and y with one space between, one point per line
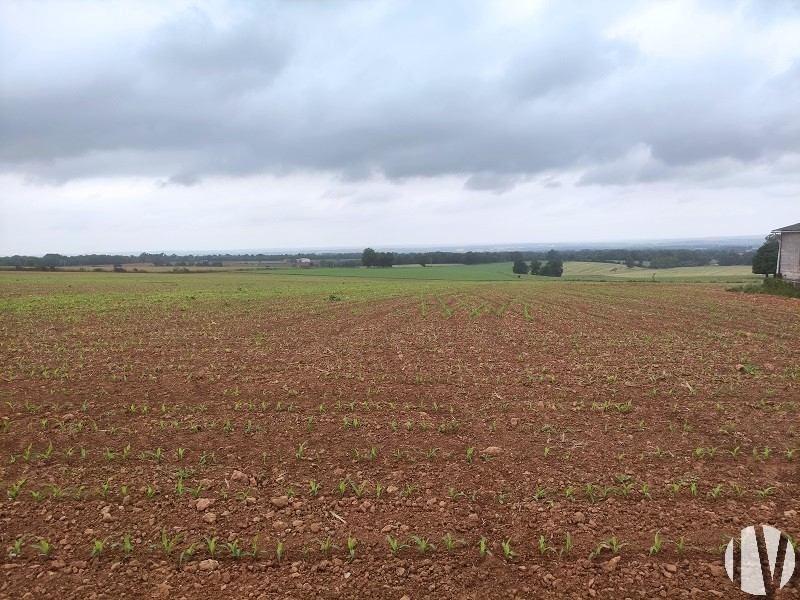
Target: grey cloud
559 63
493 182
298 88
181 179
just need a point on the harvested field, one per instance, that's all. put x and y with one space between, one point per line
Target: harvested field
274 436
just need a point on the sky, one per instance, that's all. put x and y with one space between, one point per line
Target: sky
160 125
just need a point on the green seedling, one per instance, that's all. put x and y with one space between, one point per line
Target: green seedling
394 544
543 547
327 545
187 554
423 545
126 545
658 542
15 489
764 492
483 548
351 546
567 549
313 487
234 551
168 543
359 490
301 450
508 552
97 548
450 542
17 547
612 544
44 547
279 551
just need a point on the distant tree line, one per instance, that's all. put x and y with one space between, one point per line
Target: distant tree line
370 258
52 261
657 258
554 267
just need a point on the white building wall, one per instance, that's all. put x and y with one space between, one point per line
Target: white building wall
790 256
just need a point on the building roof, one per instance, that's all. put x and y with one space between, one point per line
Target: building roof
788 229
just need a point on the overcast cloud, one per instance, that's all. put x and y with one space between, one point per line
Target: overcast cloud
130 126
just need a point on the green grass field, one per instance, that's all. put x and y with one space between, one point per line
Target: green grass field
575 271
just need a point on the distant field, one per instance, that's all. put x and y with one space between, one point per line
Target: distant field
588 271
490 272
575 271
603 271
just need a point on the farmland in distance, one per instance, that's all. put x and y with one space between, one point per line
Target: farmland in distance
288 435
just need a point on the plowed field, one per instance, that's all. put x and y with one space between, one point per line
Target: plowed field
268 436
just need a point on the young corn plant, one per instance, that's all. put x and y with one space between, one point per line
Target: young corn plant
470 454
423 545
567 549
15 489
279 551
395 545
44 547
211 545
543 548
658 542
168 543
327 545
97 548
17 547
508 552
301 450
126 545
612 544
234 551
187 554
450 542
483 548
351 546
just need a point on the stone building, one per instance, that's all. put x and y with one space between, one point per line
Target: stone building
789 253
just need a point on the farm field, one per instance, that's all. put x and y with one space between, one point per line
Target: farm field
281 435
578 271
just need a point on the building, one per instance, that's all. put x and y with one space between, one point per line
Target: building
789 253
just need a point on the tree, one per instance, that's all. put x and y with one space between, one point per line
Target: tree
536 267
552 268
765 261
384 259
520 267
552 255
369 257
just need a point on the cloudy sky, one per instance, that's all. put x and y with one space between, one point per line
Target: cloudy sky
176 125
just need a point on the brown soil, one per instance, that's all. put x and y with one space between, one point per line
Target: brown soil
602 411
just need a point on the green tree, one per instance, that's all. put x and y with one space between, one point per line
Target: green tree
520 267
369 258
552 268
765 261
536 267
